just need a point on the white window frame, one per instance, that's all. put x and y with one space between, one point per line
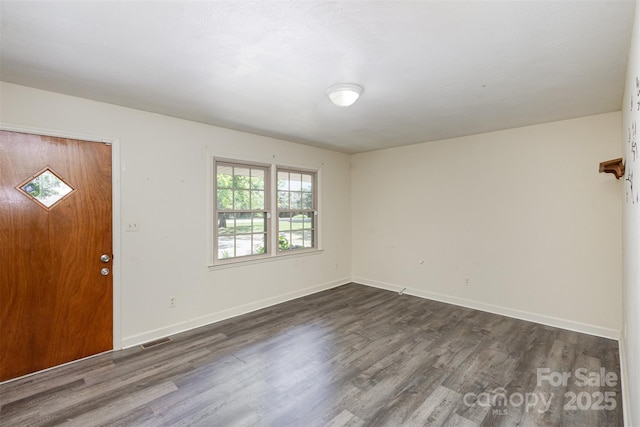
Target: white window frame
266 208
313 211
272 253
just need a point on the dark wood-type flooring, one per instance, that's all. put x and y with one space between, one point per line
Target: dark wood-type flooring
349 356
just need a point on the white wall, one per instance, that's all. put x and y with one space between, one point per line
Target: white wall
164 187
631 228
523 213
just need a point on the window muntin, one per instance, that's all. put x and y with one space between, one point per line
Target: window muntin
242 210
245 194
296 206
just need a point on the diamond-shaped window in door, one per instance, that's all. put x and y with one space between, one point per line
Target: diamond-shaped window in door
46 188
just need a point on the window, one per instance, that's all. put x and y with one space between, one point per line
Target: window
296 210
46 188
245 196
241 210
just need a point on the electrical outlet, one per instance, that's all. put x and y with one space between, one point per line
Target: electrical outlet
133 226
172 302
467 281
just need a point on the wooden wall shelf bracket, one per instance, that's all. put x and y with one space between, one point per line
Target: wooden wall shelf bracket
615 166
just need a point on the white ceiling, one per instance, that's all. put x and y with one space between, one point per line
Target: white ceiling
430 69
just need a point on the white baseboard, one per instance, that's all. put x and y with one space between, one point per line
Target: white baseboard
571 325
155 334
497 309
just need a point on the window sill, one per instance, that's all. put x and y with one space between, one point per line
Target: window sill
281 256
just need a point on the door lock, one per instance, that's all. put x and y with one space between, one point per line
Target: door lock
105 258
105 271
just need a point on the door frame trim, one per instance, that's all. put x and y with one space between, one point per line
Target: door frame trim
115 210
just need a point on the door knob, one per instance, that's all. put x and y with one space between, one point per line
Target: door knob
104 271
105 258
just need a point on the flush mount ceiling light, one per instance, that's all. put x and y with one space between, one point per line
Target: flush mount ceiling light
344 94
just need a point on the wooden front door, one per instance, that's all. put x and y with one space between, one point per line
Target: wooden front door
55 303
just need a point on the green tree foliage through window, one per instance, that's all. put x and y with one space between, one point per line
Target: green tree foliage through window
245 195
241 207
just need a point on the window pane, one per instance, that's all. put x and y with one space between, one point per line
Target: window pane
225 199
258 244
259 223
296 221
241 200
225 247
284 221
257 200
224 177
283 180
226 223
243 245
296 200
307 200
241 178
295 182
47 188
283 200
297 239
257 179
243 222
307 182
307 220
308 238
